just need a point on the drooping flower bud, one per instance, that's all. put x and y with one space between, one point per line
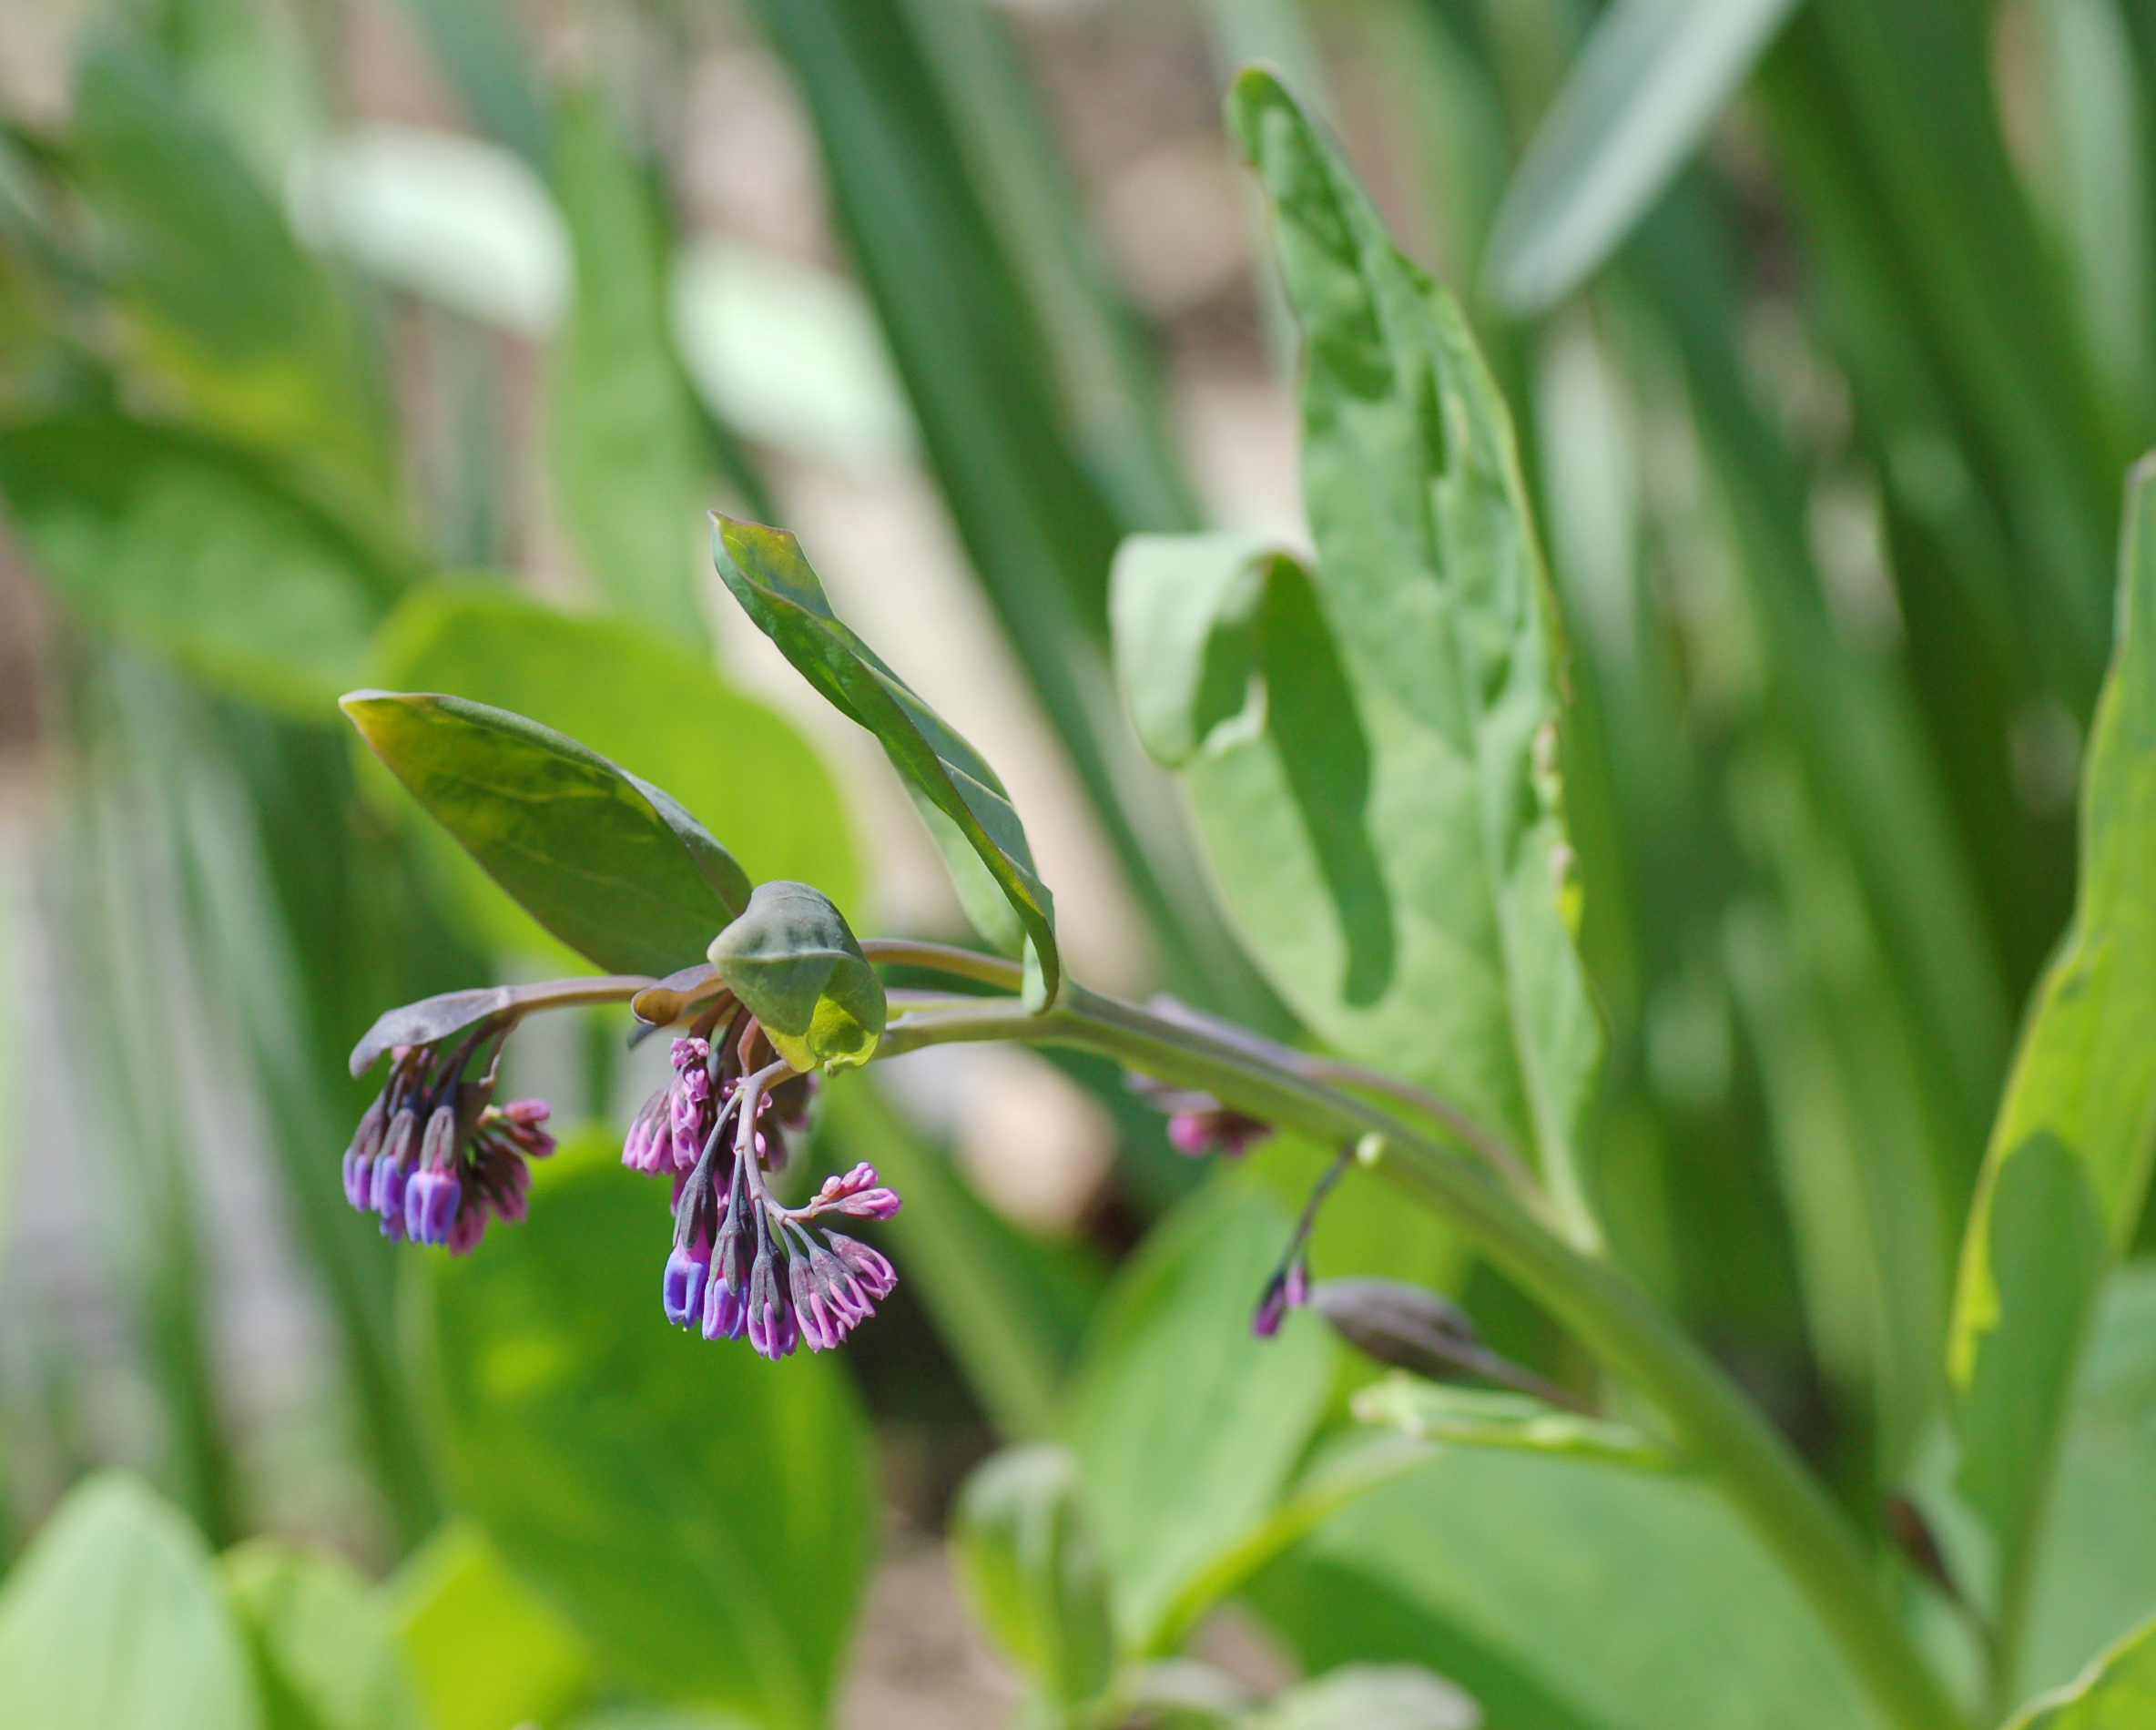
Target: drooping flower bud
683 1288
431 1202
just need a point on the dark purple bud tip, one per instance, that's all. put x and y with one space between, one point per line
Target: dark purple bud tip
1266 1321
1213 1128
726 1316
468 1229
684 1285
876 1275
431 1202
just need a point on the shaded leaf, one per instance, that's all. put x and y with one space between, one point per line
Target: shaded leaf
434 1018
980 832
1649 81
791 958
704 1518
1186 1426
2068 1165
1370 1697
325 1653
112 1621
608 863
1476 1418
1033 1572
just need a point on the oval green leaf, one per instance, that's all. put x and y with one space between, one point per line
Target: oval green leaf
324 1649
606 862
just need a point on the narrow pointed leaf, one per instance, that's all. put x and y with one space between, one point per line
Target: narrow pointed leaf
1648 82
2118 1692
608 863
1475 1418
434 1018
979 828
2068 1166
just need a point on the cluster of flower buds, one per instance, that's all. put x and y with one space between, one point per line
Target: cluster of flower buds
742 1263
434 1156
1198 1123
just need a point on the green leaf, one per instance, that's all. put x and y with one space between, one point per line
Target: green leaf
1387 824
1476 1418
979 831
608 863
792 960
483 1651
1649 81
2118 1692
1562 1592
704 1518
112 1621
1187 1427
638 700
194 550
627 457
1370 1697
324 1649
2068 1166
2093 1575
226 303
434 1018
1033 1572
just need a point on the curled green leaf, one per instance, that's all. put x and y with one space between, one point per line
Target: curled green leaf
968 812
792 960
434 1018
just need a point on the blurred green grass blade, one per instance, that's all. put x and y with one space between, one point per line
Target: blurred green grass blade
2093 1576
479 47
194 548
627 442
324 1654
1650 79
113 1621
1478 1417
737 763
228 306
483 1649
310 927
2068 1165
1469 1562
2118 1693
1186 1426
986 379
1011 1311
705 1518
1106 377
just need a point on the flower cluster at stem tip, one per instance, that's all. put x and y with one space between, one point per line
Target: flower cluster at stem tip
433 1157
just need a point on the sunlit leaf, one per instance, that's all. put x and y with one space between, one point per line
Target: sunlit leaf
2118 1692
968 811
112 1621
2068 1166
324 1649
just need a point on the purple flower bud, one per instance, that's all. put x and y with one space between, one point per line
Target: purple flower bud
1271 1308
468 1227
1298 1283
386 1190
438 1148
522 1122
876 1275
841 1289
432 1199
726 1314
772 1329
641 1151
359 1178
683 1288
1198 1129
820 1327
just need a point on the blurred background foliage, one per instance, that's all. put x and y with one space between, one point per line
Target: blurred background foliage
360 341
